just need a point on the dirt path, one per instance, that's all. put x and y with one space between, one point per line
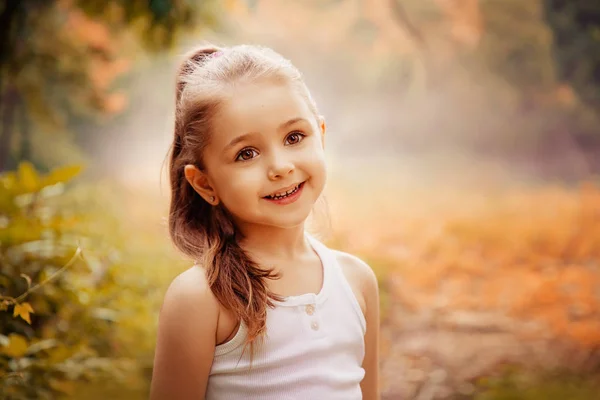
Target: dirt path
470 286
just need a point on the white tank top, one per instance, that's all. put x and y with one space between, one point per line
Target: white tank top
313 350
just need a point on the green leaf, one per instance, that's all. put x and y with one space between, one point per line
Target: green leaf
28 177
58 354
42 345
17 346
8 181
62 174
62 386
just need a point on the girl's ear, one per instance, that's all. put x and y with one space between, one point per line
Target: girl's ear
201 184
323 128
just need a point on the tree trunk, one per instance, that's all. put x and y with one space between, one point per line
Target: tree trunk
403 20
8 116
25 130
7 16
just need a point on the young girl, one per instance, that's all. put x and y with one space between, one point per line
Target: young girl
267 311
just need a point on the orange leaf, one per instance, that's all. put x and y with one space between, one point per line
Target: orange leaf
23 310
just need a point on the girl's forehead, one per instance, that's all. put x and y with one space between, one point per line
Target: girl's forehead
259 107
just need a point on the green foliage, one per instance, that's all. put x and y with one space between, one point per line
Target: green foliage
54 327
516 44
128 234
158 23
516 384
575 25
60 60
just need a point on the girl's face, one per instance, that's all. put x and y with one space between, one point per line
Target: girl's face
265 161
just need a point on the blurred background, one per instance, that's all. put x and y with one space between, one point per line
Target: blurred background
463 149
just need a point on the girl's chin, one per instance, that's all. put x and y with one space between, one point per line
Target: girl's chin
288 220
284 217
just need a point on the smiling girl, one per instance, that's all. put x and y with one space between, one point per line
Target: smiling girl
267 311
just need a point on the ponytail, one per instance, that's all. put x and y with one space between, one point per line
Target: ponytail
191 61
204 232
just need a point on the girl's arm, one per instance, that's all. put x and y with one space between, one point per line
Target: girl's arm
370 383
186 339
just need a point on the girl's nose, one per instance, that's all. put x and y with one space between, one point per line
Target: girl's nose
280 167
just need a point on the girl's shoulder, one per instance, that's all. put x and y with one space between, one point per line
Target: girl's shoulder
189 295
191 283
355 269
362 281
186 337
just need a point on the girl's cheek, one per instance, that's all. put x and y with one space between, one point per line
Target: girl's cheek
319 158
246 182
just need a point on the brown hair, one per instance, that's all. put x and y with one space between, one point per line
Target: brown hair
204 232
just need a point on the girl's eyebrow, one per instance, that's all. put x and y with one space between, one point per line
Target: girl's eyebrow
245 136
290 122
238 139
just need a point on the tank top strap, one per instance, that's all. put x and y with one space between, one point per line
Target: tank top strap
329 265
336 279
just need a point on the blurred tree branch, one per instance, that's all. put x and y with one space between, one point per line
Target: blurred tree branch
58 58
402 18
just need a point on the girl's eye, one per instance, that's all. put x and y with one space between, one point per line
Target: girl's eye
294 137
246 154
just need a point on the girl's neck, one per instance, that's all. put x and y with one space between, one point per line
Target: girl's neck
271 242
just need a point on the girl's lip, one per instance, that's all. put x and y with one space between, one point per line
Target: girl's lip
290 199
286 189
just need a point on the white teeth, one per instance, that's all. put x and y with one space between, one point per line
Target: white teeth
283 194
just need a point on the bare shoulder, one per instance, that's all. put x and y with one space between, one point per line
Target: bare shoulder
362 280
190 286
186 337
189 302
356 270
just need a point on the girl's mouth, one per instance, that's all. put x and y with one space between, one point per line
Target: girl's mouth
286 197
